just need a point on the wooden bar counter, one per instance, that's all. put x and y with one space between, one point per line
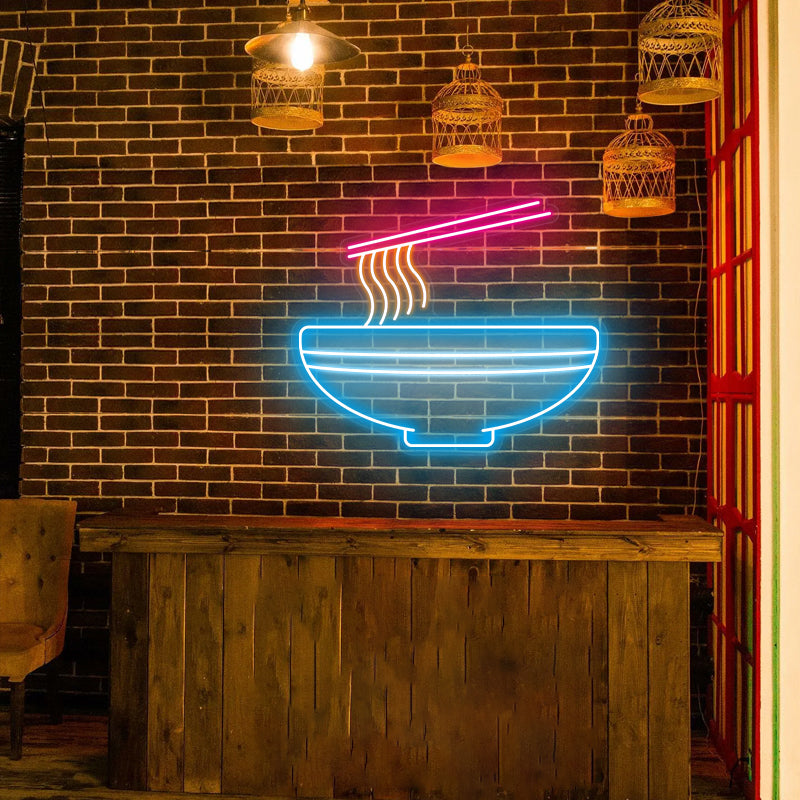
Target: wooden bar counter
416 659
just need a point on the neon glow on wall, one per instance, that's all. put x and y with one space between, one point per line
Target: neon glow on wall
443 385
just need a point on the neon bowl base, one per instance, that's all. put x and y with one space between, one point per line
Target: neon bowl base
449 386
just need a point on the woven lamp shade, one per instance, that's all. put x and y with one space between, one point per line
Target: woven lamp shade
680 54
286 99
466 120
639 171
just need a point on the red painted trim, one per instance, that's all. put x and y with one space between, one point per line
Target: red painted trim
726 391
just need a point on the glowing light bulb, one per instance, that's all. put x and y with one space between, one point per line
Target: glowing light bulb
301 52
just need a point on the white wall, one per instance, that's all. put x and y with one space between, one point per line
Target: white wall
780 330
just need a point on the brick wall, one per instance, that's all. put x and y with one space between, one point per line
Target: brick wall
171 249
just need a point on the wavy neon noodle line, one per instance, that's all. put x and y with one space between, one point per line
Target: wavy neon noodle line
396 288
402 274
418 277
383 291
450 223
366 287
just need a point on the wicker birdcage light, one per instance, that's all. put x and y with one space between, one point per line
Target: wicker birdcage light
286 99
639 171
467 114
680 54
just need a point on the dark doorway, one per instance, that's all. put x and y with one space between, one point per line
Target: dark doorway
12 145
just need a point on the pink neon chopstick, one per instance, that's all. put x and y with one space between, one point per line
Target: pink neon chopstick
460 221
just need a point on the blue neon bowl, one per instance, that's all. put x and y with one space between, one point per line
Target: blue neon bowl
445 386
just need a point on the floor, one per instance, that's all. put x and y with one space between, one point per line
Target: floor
68 762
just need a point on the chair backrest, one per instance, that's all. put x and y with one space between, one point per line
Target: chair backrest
36 539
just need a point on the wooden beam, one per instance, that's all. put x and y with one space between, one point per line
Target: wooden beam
676 539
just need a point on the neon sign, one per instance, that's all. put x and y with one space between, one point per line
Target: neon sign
450 234
449 386
443 385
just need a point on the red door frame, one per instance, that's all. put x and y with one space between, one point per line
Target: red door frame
731 390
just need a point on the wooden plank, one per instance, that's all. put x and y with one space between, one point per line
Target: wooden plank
669 713
401 764
425 575
318 704
241 763
278 605
578 741
385 754
256 652
361 643
598 675
127 720
464 748
203 693
444 593
165 689
489 662
471 539
268 676
232 523
569 546
527 736
627 682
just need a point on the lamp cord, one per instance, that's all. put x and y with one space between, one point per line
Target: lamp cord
696 337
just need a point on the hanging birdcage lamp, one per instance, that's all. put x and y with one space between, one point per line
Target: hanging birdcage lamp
289 71
639 171
467 115
680 54
284 98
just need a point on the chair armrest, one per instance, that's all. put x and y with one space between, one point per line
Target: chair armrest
53 638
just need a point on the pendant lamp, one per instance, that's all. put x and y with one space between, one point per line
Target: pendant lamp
301 43
680 54
467 114
639 171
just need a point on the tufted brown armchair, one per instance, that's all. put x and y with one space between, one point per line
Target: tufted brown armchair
35 546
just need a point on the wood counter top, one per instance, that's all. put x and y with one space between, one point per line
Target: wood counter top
672 538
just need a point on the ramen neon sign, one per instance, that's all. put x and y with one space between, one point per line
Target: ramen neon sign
443 385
